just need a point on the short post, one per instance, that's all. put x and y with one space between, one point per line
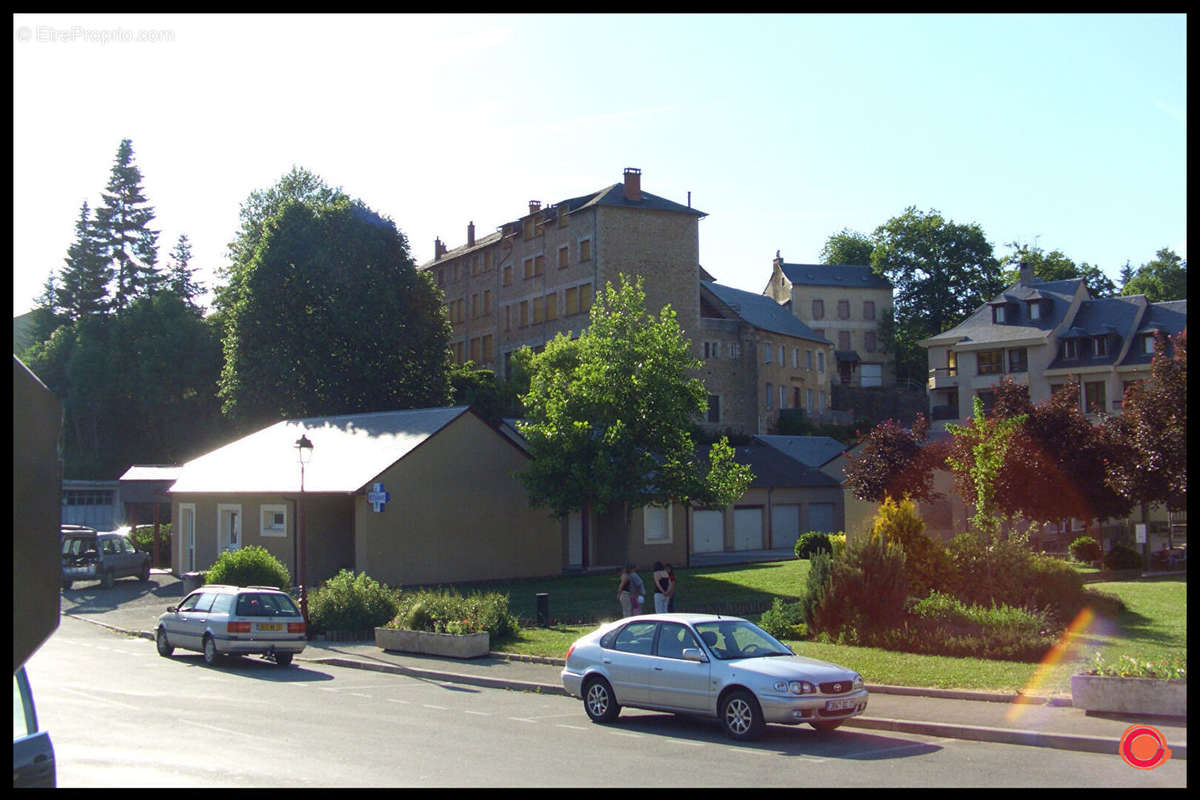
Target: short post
543 609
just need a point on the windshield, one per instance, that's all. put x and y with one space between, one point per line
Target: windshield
728 639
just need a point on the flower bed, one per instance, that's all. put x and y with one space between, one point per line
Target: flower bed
1132 687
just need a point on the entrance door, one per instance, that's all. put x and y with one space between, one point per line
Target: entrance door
187 530
229 528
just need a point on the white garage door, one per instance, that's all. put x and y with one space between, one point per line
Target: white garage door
709 534
785 526
820 517
747 529
871 374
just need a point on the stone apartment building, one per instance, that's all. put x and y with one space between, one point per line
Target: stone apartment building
843 303
537 276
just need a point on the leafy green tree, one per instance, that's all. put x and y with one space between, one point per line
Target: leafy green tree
123 225
609 416
847 247
329 316
1054 266
941 270
1163 278
87 272
477 388
980 448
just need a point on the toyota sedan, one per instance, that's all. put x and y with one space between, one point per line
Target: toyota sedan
708 665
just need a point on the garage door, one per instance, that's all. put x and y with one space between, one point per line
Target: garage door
785 526
820 517
709 533
747 528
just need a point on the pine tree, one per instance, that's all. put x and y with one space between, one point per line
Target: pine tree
124 222
85 278
180 277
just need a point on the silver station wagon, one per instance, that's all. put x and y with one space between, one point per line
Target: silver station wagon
712 666
221 621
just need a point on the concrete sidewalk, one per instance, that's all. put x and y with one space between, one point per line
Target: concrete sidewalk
133 607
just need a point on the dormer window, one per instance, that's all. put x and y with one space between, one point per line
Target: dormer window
1148 344
998 315
1101 345
1035 310
1071 348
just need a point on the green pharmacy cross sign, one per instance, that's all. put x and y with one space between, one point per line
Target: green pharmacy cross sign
378 496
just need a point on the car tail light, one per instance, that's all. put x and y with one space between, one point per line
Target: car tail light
570 650
295 627
237 627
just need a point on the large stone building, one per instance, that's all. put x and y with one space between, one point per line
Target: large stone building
843 303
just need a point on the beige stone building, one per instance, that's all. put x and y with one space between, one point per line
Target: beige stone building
537 276
843 303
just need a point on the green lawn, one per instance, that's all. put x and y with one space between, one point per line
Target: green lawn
1154 627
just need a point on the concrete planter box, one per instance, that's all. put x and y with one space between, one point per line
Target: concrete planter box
1129 695
453 645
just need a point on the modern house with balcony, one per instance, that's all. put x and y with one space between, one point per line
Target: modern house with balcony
1045 334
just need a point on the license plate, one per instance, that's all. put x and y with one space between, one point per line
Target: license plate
839 705
270 626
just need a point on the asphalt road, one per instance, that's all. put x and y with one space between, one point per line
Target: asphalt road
120 715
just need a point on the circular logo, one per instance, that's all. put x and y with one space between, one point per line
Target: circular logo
1144 747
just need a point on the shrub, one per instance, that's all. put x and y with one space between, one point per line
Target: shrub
784 620
812 542
143 540
820 572
1122 557
989 572
1056 585
249 566
944 625
1085 549
864 595
929 566
446 611
838 542
349 602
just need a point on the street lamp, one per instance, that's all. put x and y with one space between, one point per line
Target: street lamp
304 450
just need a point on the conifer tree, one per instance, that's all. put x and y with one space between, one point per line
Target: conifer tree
84 288
124 223
180 277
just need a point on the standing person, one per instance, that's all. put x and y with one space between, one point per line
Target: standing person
662 587
670 588
624 595
637 590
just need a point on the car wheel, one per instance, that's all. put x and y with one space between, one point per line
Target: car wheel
599 701
106 580
740 716
164 647
283 659
145 573
825 728
211 656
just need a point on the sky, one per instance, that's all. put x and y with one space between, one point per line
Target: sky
1067 132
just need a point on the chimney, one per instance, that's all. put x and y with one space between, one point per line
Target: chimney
439 249
1026 274
633 184
471 234
535 206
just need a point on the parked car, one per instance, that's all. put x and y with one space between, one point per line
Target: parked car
88 555
33 752
711 666
221 621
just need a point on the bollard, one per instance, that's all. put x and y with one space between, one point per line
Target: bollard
543 609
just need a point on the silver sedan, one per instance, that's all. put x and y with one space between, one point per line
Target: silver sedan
708 665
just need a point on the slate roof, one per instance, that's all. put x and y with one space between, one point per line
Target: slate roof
349 451
762 312
855 276
1169 316
815 451
978 328
775 469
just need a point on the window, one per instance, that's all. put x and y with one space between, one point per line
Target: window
843 340
781 361
818 309
871 375
524 313
1093 397
810 401
552 306
782 396
474 350
712 350
808 360
273 520
988 398
1148 344
766 354
528 267
585 250
1071 348
714 408
735 350
998 314
475 306
1035 310
539 305
585 297
656 522
637 637
539 265
795 358
991 362
508 318
1101 344
820 401
487 302
487 348
571 301
869 341
673 639
1018 360
843 309
562 257
770 397
508 275
868 309
820 362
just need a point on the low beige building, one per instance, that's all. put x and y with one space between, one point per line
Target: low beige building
410 497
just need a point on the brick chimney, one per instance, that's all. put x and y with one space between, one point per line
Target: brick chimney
471 234
1026 274
633 184
439 249
535 206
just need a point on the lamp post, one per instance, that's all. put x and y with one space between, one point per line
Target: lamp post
304 450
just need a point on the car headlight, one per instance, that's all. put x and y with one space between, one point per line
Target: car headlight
858 681
795 687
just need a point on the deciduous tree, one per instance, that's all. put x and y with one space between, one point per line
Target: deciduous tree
1163 278
894 462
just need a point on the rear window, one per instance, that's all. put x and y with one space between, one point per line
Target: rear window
265 605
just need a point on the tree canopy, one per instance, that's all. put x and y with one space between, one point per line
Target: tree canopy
1162 278
123 223
895 462
609 415
1054 266
847 247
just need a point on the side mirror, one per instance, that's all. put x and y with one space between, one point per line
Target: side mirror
171 609
693 654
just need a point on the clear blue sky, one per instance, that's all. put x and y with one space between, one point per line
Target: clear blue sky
1068 131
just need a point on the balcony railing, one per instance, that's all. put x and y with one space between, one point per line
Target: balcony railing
941 377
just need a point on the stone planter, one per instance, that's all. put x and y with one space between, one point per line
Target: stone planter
1153 696
453 645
